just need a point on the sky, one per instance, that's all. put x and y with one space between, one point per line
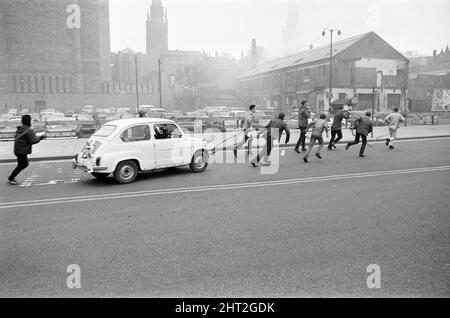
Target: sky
229 25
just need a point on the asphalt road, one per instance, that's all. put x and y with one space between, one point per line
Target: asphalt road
304 230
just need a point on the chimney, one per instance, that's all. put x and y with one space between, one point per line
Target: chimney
254 54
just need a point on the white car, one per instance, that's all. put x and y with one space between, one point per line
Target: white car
126 147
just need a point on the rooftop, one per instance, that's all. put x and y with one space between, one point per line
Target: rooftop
306 57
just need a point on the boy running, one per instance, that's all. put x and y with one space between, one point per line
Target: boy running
393 120
247 125
336 127
363 127
274 130
318 127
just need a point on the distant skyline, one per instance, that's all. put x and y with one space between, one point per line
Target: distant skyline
229 25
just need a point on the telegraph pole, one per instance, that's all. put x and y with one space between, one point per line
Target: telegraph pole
137 84
159 75
331 59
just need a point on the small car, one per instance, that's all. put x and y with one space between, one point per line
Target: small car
126 147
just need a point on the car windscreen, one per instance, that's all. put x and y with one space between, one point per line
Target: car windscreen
105 131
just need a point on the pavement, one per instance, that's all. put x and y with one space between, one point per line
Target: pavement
57 149
306 230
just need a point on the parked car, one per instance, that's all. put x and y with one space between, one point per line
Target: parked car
86 129
7 133
58 130
128 146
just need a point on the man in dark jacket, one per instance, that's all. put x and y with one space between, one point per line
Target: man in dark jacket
303 115
363 127
336 127
24 139
274 129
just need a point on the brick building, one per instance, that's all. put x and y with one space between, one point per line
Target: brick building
429 83
366 69
53 53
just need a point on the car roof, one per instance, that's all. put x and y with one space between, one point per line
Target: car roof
120 123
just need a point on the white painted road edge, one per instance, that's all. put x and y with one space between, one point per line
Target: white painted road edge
125 195
221 150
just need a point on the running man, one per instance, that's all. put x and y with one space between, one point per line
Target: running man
274 129
24 139
363 127
248 126
303 114
336 127
393 120
318 127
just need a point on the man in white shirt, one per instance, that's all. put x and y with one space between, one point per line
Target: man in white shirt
247 125
393 120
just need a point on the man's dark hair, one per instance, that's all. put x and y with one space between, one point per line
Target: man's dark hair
281 116
251 107
341 107
26 120
303 102
396 109
368 114
323 116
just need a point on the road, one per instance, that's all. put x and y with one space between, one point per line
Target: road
306 230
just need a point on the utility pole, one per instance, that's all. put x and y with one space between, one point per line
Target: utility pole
331 61
137 84
373 107
159 80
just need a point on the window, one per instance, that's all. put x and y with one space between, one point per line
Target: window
167 131
136 133
105 131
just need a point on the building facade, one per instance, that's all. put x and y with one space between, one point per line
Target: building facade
52 51
365 69
429 83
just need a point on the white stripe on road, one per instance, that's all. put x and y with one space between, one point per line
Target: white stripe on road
123 195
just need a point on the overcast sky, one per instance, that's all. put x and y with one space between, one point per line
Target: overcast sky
229 25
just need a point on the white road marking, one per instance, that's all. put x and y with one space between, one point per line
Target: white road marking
122 195
218 149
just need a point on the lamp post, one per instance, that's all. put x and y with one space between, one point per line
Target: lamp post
159 80
137 85
331 59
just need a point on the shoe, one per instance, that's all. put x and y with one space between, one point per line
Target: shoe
362 156
297 151
334 146
305 159
391 147
12 182
329 148
254 164
318 155
303 149
235 152
387 141
347 146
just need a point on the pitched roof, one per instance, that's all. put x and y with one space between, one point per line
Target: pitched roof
305 57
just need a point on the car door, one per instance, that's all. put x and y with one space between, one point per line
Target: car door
138 143
168 145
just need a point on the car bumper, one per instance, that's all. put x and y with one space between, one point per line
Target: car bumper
87 168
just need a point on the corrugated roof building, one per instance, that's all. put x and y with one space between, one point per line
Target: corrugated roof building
365 69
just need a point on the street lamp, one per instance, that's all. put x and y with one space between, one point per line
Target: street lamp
331 59
137 84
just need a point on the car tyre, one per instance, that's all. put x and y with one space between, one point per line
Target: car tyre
199 161
126 172
101 176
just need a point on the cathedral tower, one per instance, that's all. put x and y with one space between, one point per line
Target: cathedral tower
157 36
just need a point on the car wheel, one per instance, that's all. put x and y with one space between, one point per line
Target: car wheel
126 172
199 161
101 176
